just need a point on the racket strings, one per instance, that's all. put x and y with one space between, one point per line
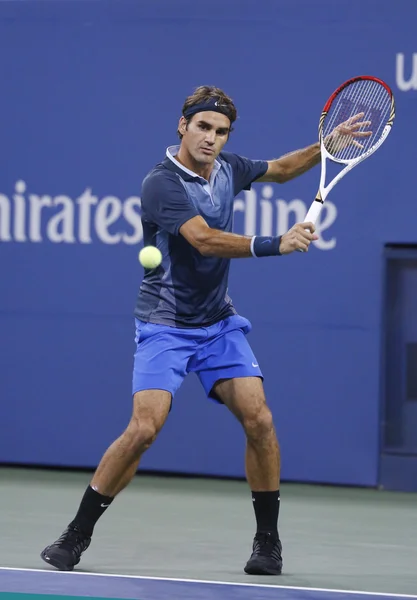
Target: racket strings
363 96
374 96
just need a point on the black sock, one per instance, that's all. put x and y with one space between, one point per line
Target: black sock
91 508
266 506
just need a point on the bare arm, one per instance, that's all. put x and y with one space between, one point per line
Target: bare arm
298 162
213 242
292 165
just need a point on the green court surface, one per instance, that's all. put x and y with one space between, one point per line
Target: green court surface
190 538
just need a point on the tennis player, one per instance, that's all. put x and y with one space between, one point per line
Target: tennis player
186 322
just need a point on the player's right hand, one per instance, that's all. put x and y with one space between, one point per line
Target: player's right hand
299 237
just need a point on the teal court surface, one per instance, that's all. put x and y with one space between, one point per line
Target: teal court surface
169 538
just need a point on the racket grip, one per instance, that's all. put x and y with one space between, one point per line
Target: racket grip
314 211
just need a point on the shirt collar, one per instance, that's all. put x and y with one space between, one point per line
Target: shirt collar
172 163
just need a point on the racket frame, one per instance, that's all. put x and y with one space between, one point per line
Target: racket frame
323 191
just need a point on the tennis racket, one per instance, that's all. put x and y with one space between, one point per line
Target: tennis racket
355 121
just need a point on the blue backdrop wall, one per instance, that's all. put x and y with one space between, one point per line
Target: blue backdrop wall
91 95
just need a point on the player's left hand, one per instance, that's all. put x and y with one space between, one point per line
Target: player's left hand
347 134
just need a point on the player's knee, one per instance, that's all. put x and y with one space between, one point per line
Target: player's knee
140 435
259 425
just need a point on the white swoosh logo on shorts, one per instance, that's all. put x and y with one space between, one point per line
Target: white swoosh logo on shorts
255 365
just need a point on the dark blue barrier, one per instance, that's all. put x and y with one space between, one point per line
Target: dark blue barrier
91 96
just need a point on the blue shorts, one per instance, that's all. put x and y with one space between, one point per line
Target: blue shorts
165 355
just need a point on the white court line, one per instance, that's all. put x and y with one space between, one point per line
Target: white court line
256 585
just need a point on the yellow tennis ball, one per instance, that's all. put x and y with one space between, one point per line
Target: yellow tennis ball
150 257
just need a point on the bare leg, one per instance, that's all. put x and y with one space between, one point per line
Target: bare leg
127 477
245 398
120 461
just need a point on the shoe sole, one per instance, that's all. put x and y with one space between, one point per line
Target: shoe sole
55 563
255 569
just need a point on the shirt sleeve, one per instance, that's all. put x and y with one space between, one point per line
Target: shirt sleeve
245 171
165 202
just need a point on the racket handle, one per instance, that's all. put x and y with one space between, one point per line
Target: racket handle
314 211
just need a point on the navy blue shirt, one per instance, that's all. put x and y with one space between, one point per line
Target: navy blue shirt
188 289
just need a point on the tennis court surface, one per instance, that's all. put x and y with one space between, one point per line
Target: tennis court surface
169 538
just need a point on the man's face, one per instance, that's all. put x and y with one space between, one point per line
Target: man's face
205 136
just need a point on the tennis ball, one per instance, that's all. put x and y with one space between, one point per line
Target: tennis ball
150 257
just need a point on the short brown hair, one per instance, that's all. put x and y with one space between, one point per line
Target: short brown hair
203 94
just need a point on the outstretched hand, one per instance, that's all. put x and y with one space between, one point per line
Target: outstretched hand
347 134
